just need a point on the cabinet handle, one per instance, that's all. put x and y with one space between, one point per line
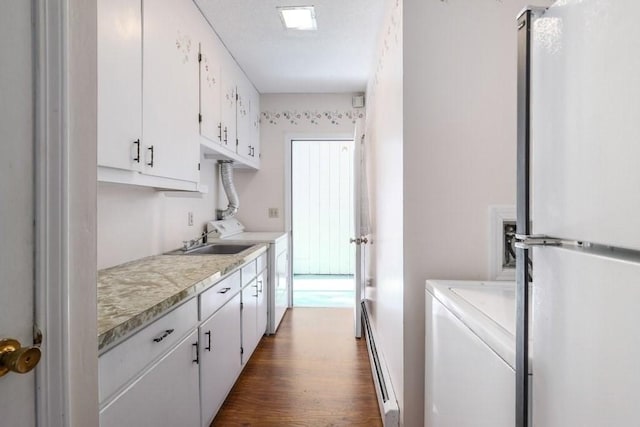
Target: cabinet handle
165 334
197 359
208 347
220 131
249 150
224 290
137 157
151 162
225 135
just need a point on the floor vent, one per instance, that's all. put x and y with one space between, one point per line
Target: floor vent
389 410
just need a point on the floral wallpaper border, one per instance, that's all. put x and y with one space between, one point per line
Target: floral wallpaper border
295 117
391 38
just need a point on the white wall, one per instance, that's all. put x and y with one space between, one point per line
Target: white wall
457 142
135 222
259 191
384 154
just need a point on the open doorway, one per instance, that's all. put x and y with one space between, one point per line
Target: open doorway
322 203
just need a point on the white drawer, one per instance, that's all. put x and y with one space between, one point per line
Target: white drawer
120 364
261 262
215 297
248 273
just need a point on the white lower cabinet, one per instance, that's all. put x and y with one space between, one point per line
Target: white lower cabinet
165 395
249 320
262 303
219 357
157 378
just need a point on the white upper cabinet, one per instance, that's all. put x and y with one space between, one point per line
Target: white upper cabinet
120 84
210 118
171 88
166 87
248 117
228 101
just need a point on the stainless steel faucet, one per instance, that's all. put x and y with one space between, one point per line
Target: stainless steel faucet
195 243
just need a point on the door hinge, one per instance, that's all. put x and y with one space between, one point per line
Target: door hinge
237 97
237 142
241 350
198 166
199 57
199 118
241 306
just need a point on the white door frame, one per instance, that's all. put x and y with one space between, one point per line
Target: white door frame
65 41
288 207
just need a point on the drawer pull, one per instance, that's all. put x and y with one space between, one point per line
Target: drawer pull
165 334
208 347
224 290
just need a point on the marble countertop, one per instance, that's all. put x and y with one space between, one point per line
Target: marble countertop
132 294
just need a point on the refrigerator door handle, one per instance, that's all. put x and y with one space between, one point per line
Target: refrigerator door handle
527 242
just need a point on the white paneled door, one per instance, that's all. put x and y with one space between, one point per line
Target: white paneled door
323 207
17 404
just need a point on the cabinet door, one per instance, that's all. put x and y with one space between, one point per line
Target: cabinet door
220 357
210 118
248 116
119 83
166 395
262 304
171 92
255 127
243 117
249 320
228 101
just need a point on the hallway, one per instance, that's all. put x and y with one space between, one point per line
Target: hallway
312 373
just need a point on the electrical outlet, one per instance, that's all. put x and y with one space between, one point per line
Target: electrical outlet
190 219
274 213
509 240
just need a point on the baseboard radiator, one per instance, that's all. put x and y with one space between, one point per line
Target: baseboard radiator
387 402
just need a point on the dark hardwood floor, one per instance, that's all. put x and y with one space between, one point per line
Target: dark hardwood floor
312 373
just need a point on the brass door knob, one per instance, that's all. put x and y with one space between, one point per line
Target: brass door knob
18 359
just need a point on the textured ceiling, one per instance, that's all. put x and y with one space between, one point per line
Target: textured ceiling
336 58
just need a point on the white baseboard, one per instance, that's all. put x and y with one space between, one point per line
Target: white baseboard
389 410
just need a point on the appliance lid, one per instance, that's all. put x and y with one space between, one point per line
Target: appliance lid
486 308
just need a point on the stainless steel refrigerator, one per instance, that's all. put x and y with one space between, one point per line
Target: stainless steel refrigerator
578 216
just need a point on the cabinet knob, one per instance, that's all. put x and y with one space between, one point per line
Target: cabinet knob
18 359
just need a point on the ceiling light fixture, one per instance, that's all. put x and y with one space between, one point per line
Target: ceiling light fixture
298 17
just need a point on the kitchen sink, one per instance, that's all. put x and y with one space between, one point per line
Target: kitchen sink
217 249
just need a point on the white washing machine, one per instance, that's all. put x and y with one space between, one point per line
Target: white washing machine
279 283
470 354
